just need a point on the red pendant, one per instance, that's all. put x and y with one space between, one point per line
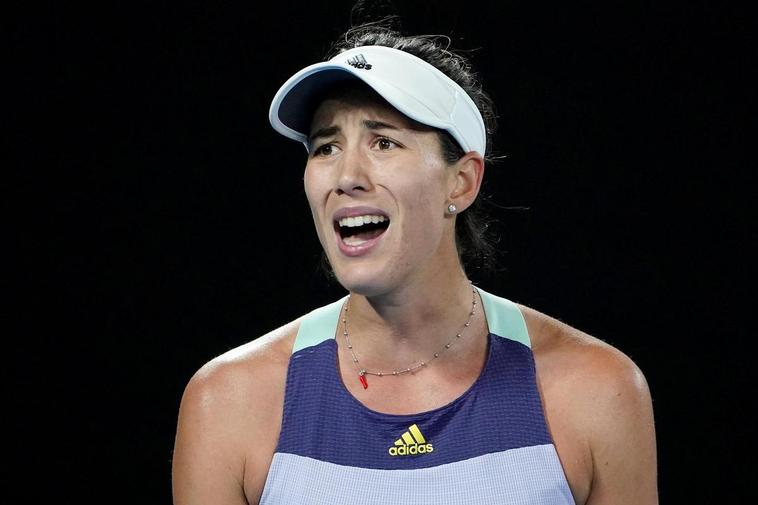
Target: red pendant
363 380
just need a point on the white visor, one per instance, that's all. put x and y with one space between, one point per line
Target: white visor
411 85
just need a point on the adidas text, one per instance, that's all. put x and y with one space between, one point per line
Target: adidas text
407 450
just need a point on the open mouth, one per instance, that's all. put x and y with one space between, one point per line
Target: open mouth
358 230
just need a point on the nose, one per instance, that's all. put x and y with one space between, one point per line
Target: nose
354 173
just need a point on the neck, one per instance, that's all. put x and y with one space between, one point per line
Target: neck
412 322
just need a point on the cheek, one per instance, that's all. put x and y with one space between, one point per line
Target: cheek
307 181
431 195
317 190
315 200
431 202
425 209
313 185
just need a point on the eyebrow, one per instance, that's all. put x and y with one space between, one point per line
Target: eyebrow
367 123
323 132
378 125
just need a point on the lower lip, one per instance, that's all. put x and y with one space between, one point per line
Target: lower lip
358 250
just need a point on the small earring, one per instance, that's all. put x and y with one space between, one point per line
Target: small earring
452 208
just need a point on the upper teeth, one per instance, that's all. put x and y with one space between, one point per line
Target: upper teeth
361 220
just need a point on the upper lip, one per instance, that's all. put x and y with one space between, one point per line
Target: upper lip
358 211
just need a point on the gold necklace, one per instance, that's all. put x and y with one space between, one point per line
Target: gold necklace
362 372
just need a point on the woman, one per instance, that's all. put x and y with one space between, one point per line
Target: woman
417 387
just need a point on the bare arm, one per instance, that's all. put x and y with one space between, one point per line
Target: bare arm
600 413
622 438
229 423
208 463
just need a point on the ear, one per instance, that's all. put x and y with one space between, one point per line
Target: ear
465 180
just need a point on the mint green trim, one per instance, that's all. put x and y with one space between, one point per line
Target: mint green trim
504 318
318 325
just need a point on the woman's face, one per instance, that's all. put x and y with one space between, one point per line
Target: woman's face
378 189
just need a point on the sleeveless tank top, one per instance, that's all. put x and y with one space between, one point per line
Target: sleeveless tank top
491 445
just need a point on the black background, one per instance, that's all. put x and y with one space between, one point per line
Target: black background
159 221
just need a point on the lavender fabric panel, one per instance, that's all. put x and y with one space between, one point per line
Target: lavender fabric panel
530 475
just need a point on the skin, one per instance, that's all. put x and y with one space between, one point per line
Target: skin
597 403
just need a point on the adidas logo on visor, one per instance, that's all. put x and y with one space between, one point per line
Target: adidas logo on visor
359 61
411 443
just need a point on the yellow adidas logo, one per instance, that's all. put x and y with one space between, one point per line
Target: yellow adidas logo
411 442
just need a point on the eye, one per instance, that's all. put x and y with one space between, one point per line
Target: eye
325 150
385 144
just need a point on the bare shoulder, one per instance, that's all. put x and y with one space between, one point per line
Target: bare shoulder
571 355
248 375
576 354
599 410
229 421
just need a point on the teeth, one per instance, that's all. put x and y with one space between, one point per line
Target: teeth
351 222
353 241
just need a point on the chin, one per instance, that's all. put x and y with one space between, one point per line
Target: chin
363 281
